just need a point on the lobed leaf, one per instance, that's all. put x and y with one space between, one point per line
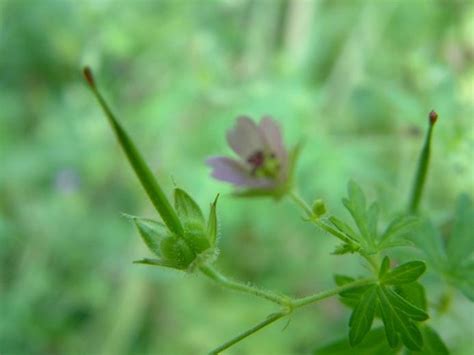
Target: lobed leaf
384 267
399 226
405 273
414 293
406 307
344 228
432 343
362 316
374 344
396 320
460 246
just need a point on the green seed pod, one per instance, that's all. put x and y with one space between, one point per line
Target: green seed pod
176 251
319 208
196 239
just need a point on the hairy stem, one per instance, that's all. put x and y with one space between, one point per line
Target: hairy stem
288 304
303 301
270 319
301 203
224 281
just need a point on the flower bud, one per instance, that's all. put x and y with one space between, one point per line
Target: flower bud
319 208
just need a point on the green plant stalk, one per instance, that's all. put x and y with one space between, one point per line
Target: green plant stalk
422 169
303 301
138 164
289 304
224 281
270 319
301 203
318 222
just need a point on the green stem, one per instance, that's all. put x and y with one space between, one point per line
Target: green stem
372 262
301 203
422 169
300 302
137 162
239 286
270 319
288 304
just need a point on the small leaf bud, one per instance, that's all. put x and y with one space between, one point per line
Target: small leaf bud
319 208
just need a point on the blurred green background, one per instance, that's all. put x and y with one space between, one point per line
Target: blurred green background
354 80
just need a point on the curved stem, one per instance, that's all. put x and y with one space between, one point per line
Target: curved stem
301 203
303 301
239 286
270 319
288 304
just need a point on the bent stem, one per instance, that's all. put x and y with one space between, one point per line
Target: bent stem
224 281
301 203
270 319
288 304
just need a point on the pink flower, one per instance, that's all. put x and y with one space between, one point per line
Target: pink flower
264 162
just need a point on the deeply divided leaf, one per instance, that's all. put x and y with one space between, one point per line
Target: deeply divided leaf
374 343
414 293
394 316
460 246
362 316
405 273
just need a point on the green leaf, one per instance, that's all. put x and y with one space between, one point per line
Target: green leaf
143 172
406 307
427 238
433 344
341 280
384 267
212 227
344 248
460 246
352 296
151 231
373 344
414 293
399 226
398 320
356 205
344 228
405 273
372 220
388 320
187 209
157 262
362 316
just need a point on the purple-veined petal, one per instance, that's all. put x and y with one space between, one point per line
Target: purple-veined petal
227 169
245 138
273 138
270 130
233 171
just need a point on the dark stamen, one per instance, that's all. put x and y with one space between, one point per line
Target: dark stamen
256 159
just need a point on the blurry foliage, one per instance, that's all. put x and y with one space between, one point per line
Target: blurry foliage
354 79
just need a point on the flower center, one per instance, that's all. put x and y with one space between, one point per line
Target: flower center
264 164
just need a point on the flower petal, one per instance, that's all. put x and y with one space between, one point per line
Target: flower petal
245 138
231 170
270 130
